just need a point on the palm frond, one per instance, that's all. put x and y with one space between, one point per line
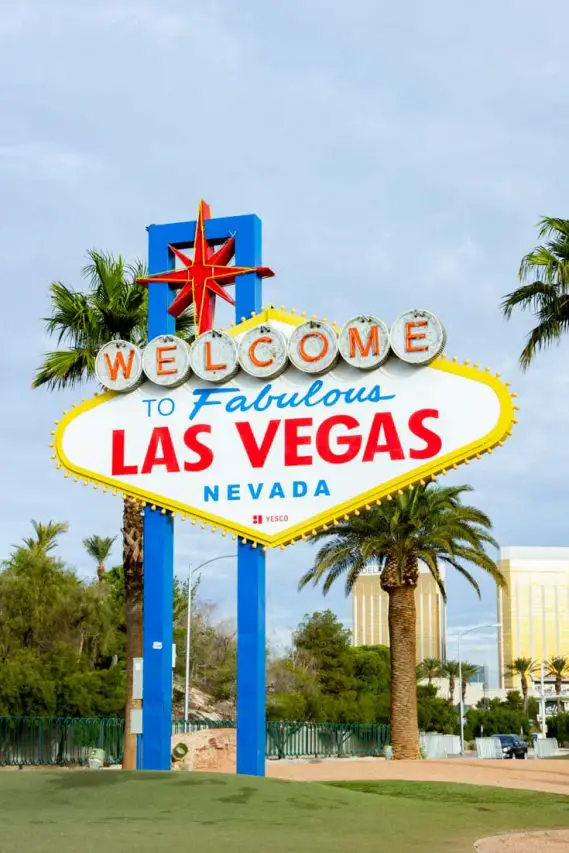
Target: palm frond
549 331
65 368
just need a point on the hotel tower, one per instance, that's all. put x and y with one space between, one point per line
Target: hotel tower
369 614
534 608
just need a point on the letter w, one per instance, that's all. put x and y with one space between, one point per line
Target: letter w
257 453
119 364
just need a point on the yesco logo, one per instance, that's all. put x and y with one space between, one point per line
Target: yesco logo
364 342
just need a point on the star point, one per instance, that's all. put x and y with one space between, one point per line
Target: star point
204 276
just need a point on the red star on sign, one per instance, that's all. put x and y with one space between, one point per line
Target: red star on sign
204 276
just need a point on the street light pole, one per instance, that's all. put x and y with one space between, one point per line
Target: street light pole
542 702
461 701
188 628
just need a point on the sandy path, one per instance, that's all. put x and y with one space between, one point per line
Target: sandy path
551 841
549 776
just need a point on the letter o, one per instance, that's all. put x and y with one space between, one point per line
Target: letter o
160 406
313 347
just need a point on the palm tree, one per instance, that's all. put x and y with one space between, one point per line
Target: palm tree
99 548
113 306
46 536
545 289
469 670
451 670
429 668
524 667
428 524
558 667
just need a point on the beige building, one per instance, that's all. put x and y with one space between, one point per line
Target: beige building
534 608
369 615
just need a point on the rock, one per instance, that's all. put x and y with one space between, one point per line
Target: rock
212 750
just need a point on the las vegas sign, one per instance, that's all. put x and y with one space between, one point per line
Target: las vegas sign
282 425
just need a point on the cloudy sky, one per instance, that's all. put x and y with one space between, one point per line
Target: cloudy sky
401 152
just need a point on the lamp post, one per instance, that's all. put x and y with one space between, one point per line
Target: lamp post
188 626
542 701
461 705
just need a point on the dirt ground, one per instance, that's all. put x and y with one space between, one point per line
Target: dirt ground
536 775
553 841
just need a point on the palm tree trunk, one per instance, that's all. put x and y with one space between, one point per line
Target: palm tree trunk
525 692
132 560
402 641
101 572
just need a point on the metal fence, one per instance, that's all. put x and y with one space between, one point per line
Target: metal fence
325 740
45 741
40 741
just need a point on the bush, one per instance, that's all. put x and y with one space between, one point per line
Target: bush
558 727
496 720
435 713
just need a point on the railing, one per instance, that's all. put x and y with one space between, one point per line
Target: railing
325 740
40 741
44 741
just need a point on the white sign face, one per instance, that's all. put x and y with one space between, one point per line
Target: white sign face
272 460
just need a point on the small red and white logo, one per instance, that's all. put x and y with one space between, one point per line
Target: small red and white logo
257 519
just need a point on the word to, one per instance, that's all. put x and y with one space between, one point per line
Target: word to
416 337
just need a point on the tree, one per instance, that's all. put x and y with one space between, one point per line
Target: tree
428 524
451 671
58 641
558 667
429 668
435 714
46 536
545 292
114 306
325 679
469 670
524 667
99 548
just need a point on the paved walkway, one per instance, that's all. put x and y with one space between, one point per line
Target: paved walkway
536 775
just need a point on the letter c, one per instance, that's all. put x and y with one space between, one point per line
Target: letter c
265 339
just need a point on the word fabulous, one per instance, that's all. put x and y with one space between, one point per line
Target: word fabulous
365 342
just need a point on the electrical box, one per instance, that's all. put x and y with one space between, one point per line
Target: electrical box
137 678
173 655
136 721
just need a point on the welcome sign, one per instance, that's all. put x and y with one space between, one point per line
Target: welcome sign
282 425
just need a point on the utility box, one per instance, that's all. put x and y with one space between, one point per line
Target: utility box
137 678
136 721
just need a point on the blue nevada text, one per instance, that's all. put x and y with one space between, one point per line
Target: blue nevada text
235 491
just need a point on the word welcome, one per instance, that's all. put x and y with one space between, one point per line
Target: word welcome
314 347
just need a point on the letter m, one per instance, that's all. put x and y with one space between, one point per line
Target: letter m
356 342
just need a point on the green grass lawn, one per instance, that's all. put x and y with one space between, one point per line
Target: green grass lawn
116 812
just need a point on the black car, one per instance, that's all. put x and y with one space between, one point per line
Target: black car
513 746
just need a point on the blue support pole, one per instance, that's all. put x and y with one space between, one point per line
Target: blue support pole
158 560
159 537
251 716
